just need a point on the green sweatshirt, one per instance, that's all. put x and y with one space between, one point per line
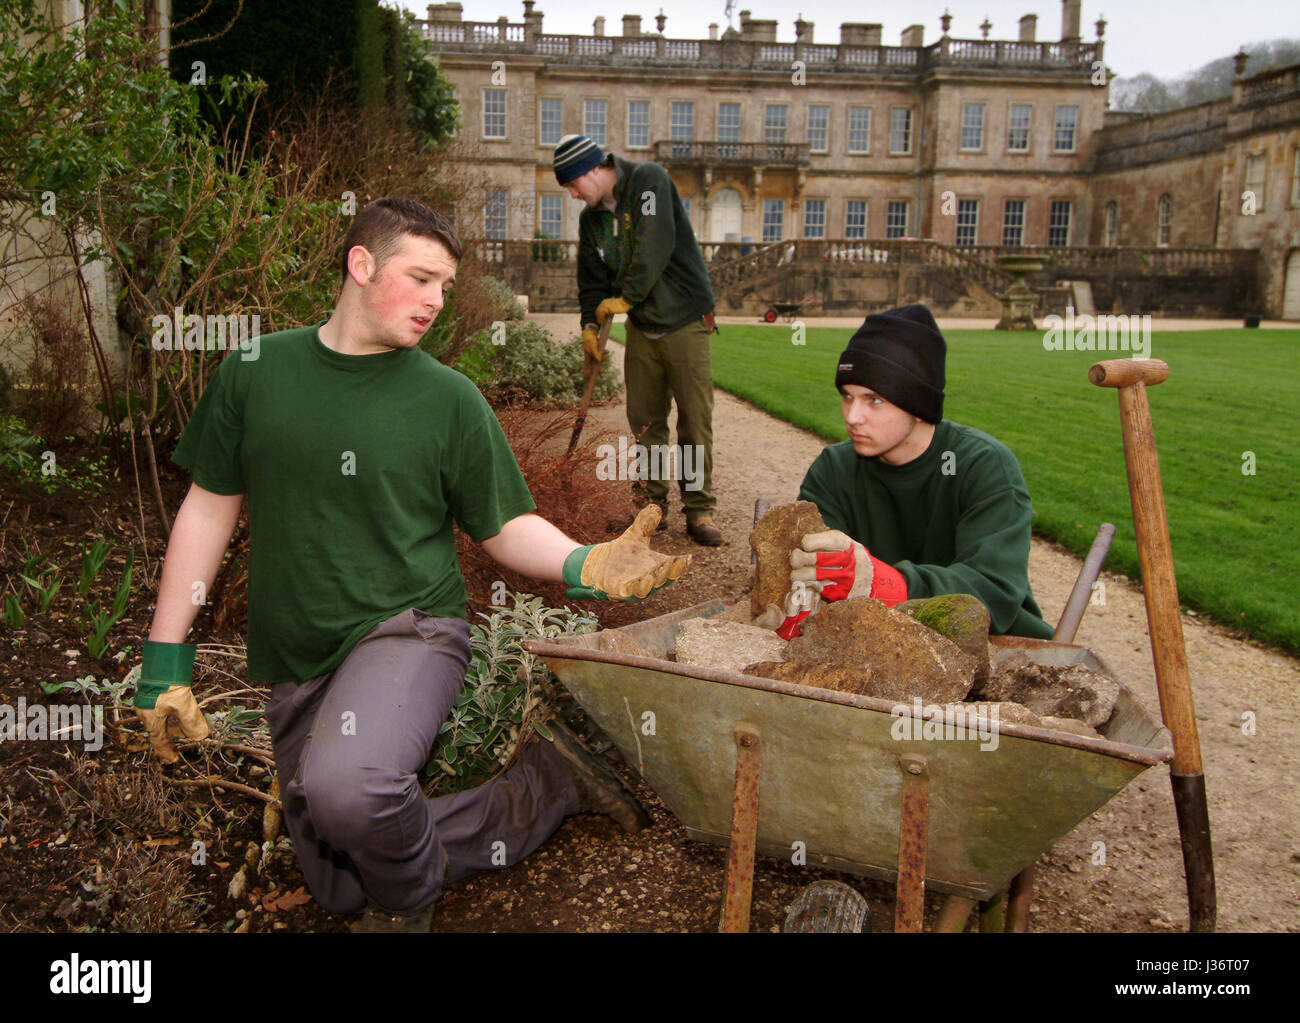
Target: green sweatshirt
955 520
645 251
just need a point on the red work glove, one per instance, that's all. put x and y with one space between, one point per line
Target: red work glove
837 566
800 602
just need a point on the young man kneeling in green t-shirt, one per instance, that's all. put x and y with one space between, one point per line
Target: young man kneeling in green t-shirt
357 452
917 505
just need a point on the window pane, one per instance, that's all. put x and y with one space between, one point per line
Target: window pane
1013 222
549 132
1018 130
900 131
729 122
638 124
773 219
855 219
593 120
494 214
774 123
1066 121
972 126
967 220
1058 225
896 220
1112 223
819 120
494 113
814 218
859 129
550 215
1164 220
682 124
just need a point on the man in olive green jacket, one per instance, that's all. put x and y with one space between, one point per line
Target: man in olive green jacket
637 255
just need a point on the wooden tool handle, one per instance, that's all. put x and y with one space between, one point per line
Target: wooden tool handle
592 373
1164 618
1123 372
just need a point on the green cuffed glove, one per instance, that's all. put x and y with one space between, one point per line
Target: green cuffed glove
623 569
164 702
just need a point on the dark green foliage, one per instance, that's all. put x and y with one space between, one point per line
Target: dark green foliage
365 55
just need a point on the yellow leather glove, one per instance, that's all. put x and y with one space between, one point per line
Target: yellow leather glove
591 344
164 702
610 307
625 568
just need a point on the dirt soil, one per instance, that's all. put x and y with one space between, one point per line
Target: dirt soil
105 840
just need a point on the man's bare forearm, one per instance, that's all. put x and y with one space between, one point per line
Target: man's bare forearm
531 546
199 539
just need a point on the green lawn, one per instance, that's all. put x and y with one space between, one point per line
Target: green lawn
1229 392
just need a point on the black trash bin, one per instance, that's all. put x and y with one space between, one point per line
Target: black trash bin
1252 319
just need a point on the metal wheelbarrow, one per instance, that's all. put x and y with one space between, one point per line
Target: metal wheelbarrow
776 767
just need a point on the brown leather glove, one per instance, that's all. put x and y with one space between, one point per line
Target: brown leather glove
591 344
610 307
164 702
625 568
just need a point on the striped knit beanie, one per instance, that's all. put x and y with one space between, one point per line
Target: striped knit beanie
574 156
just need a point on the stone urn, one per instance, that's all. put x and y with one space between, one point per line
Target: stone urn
1019 301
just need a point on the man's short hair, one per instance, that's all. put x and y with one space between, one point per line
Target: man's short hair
379 227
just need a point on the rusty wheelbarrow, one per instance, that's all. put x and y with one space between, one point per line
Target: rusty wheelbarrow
849 782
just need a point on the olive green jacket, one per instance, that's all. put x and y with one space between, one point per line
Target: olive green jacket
644 251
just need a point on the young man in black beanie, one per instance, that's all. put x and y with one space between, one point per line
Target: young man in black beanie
917 505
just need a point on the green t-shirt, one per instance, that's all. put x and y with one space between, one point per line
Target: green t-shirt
955 520
355 467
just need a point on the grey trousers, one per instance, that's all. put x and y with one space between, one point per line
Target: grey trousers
349 747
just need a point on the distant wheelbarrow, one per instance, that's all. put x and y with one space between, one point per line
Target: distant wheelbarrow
788 310
838 786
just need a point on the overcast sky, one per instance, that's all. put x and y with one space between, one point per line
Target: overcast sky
1166 37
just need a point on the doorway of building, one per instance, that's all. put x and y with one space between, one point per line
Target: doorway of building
726 218
1291 290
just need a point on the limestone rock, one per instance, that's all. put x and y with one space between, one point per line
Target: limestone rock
620 643
1073 692
839 677
1008 713
710 643
906 658
775 535
1072 726
961 617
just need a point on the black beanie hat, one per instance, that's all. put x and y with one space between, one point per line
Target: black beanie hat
899 354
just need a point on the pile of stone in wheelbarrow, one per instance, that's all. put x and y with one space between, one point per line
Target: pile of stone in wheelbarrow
935 649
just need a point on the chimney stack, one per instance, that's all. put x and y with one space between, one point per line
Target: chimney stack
631 25
1029 28
713 31
856 33
445 12
1070 12
913 35
598 26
